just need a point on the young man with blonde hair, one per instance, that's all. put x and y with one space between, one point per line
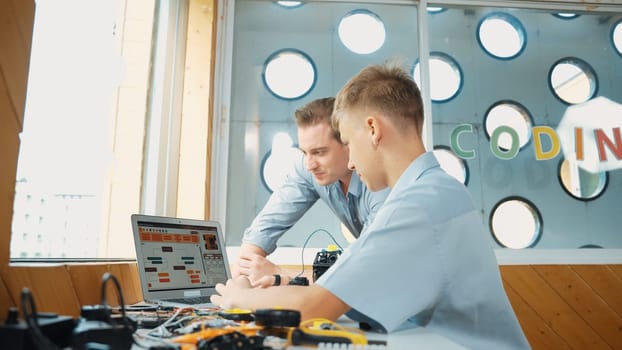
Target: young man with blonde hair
425 260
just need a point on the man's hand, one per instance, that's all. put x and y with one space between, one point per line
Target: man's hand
230 295
245 249
253 264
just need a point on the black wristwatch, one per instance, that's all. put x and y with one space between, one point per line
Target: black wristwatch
277 280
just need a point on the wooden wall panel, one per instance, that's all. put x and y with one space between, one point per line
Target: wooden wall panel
127 274
51 287
7 112
24 12
546 301
556 307
6 300
537 329
9 148
583 300
87 280
617 269
578 303
14 55
64 289
25 15
605 282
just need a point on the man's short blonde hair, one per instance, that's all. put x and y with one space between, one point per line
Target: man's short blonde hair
387 89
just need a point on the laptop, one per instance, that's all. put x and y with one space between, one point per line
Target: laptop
180 261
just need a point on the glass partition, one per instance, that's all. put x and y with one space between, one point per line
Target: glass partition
502 79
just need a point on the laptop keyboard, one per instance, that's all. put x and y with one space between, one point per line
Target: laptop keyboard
191 301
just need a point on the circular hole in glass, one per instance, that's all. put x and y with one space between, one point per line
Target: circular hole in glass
289 74
513 115
591 246
279 161
362 31
515 223
566 15
445 77
451 163
616 36
435 9
579 183
501 35
289 4
573 80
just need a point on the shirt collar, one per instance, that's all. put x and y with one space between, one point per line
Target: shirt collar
355 185
418 166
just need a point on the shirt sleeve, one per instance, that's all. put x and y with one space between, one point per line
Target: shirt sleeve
376 275
284 208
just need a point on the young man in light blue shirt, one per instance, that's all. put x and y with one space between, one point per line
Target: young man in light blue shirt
425 260
323 174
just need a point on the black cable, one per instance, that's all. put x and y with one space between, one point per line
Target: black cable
107 277
39 339
307 241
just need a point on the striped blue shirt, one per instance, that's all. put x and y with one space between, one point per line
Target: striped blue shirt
298 193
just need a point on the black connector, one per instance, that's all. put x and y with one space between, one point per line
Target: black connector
323 260
15 334
299 281
97 324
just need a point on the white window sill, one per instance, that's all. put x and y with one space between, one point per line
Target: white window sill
292 256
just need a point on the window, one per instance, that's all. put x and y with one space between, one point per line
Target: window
435 9
616 36
95 102
445 77
501 35
489 71
279 161
362 31
452 164
516 223
515 118
579 183
566 15
289 74
290 4
573 80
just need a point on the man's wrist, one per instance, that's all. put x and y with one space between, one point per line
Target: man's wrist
277 280
281 280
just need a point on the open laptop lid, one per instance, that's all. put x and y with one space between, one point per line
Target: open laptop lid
178 258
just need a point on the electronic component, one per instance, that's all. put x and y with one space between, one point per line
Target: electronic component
97 325
316 331
324 259
238 315
209 333
277 318
15 333
299 281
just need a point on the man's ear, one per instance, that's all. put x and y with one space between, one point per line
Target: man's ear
374 130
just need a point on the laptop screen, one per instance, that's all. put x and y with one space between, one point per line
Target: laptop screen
179 255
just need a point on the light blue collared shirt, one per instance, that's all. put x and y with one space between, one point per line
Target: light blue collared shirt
298 193
425 261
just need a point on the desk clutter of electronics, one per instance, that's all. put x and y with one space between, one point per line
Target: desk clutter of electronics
154 327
